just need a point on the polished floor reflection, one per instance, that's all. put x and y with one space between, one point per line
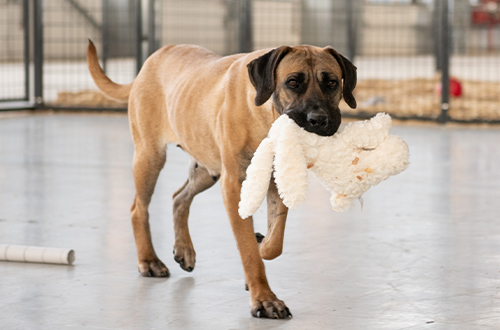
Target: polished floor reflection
423 253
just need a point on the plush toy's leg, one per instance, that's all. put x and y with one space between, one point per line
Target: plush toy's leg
290 162
341 203
199 180
272 245
254 188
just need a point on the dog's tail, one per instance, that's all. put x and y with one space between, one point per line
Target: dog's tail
109 88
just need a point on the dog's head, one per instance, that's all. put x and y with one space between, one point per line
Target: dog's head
306 83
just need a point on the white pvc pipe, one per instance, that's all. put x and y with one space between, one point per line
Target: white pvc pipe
36 254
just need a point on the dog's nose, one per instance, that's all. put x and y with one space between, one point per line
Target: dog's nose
317 120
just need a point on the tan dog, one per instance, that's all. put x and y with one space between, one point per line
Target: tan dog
206 104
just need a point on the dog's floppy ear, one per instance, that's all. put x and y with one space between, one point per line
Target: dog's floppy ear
348 74
262 73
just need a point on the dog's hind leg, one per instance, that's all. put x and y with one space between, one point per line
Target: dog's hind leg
199 179
147 165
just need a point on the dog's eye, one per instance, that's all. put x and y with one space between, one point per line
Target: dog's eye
292 83
332 84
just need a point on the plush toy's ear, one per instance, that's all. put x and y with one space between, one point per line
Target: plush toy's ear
290 168
262 72
256 184
348 74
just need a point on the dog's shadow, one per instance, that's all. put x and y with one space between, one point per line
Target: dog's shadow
181 287
156 295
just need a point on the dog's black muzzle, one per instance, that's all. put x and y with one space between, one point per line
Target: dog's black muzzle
316 120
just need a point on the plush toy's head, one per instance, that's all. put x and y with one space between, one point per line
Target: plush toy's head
348 163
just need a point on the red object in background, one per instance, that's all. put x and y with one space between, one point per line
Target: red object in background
488 12
455 87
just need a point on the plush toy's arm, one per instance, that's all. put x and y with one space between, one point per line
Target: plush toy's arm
256 184
290 167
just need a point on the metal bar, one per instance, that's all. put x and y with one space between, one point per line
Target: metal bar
105 34
159 6
38 52
8 105
139 36
86 108
351 32
245 40
85 14
436 23
13 100
445 61
26 26
152 44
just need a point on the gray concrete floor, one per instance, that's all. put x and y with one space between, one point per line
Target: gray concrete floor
423 253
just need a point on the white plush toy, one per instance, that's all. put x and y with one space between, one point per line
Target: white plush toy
348 163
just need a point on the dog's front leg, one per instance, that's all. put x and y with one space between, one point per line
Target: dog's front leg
263 302
272 245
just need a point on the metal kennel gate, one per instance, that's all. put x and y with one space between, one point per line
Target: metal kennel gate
408 52
15 64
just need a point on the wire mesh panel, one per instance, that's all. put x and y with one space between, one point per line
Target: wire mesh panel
276 23
475 63
399 61
396 69
68 24
12 52
207 23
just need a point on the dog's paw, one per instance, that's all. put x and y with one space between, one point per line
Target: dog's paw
271 308
185 257
155 268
